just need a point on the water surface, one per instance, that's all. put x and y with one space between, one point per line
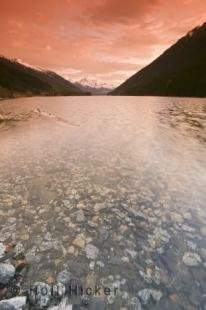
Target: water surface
111 188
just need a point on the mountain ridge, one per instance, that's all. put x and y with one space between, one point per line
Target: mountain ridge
18 79
178 71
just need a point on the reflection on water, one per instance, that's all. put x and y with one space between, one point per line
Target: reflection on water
112 189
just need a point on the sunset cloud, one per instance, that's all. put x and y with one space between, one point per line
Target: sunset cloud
103 39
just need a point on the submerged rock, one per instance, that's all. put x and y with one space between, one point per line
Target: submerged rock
71 250
156 294
7 272
80 216
191 245
79 241
203 231
91 251
154 274
177 218
2 249
188 228
146 295
103 234
99 207
135 304
191 259
64 277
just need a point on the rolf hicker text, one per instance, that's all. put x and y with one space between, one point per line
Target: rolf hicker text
73 290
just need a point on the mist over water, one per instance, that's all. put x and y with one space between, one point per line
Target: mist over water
124 174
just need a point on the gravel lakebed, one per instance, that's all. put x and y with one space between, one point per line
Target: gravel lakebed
124 225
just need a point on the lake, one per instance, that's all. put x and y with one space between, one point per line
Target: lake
112 189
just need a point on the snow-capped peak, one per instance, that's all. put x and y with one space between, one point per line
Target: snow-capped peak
93 83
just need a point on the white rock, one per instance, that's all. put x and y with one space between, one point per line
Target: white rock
155 275
91 251
135 304
7 272
19 248
187 216
2 249
162 234
191 245
91 265
132 253
99 207
125 259
16 303
188 228
146 294
203 231
67 203
71 250
62 306
64 276
191 259
79 241
81 206
100 264
80 216
125 295
203 253
176 217
138 214
156 294
110 299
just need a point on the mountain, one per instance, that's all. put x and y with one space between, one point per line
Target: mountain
94 87
19 79
179 71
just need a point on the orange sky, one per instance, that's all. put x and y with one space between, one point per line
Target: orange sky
106 40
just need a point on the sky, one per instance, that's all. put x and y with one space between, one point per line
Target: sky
102 40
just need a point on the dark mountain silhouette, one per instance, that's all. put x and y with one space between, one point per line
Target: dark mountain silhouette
179 71
17 79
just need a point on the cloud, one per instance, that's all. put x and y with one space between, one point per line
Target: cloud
106 39
48 48
115 11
